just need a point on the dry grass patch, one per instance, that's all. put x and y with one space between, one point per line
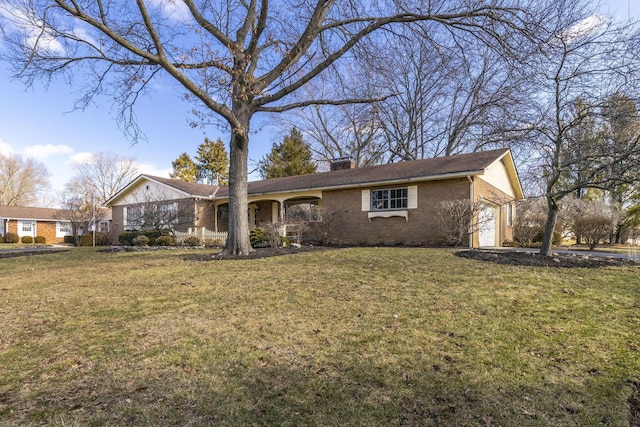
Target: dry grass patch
375 336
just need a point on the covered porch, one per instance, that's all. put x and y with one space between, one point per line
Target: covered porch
281 209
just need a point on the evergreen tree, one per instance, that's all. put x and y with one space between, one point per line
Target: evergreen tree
212 162
290 158
185 169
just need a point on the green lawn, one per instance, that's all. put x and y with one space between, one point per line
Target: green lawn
359 336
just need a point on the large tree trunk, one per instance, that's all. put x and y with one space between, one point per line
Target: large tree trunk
238 236
550 226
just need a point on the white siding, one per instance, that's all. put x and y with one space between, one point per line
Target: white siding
497 175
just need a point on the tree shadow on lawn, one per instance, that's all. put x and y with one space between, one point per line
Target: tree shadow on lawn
360 393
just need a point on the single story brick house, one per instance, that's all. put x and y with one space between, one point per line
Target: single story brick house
392 204
46 222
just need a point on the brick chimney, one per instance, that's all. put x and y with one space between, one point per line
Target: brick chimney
342 163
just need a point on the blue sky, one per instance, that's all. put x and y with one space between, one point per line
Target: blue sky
38 123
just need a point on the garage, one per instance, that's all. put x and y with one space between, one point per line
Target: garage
487 226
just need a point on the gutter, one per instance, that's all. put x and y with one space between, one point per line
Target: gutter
471 201
466 174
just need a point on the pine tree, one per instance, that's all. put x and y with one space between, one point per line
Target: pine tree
184 169
212 162
290 158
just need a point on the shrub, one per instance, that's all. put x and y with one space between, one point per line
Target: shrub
212 243
272 236
103 239
191 241
27 239
11 238
126 237
164 241
41 240
593 228
86 240
257 237
70 240
140 241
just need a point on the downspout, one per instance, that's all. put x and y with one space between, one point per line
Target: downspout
215 217
471 201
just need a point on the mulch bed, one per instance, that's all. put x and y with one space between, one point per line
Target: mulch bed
560 260
258 253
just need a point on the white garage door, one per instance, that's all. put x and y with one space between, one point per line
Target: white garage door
487 223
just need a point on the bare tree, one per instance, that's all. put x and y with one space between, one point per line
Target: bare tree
155 210
103 174
233 59
459 219
21 181
77 211
585 63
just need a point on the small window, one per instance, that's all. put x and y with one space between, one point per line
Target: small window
223 211
389 199
63 229
27 227
509 215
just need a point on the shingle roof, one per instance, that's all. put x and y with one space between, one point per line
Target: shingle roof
193 188
393 172
23 212
43 214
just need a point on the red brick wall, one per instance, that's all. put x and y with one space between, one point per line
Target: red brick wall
352 225
43 228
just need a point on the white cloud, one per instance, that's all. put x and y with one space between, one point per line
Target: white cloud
5 148
82 157
175 10
47 150
587 26
16 19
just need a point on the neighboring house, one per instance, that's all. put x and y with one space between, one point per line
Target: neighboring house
46 222
393 204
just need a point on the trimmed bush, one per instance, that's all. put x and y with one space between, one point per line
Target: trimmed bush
191 241
86 240
212 243
11 238
70 240
258 237
164 241
41 240
27 240
140 241
126 238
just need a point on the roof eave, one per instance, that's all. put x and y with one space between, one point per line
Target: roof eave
462 174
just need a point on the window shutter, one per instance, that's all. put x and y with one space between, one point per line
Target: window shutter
366 200
412 202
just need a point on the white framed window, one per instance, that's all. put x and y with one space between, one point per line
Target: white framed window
509 215
389 199
26 228
133 217
63 228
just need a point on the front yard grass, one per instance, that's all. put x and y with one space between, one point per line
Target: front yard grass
359 336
